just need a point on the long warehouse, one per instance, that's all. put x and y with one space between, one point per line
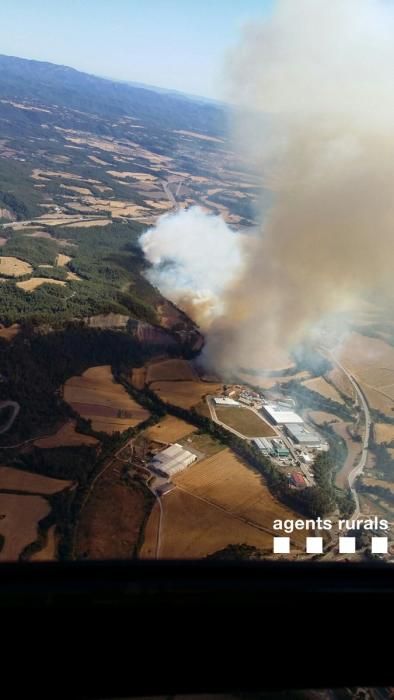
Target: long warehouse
279 415
173 459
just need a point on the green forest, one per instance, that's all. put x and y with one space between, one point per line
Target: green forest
107 259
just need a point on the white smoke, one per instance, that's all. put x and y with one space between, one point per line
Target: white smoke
195 256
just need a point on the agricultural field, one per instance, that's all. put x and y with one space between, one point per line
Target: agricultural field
20 513
244 421
341 382
169 429
193 529
203 443
10 332
321 386
269 382
383 432
372 505
48 552
184 393
35 282
66 436
17 480
171 371
138 377
372 362
218 501
321 417
13 267
97 397
62 260
370 481
19 518
112 519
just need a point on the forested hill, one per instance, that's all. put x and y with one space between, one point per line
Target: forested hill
46 83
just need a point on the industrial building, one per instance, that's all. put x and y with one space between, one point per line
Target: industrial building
173 459
302 435
280 415
264 445
224 401
280 448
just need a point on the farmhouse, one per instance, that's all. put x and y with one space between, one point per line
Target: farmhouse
279 415
173 459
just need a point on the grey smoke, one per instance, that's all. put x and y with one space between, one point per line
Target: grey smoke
314 84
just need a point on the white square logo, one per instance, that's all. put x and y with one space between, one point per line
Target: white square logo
314 545
281 545
347 545
379 545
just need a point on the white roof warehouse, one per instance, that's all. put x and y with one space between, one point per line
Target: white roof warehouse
303 435
173 459
279 415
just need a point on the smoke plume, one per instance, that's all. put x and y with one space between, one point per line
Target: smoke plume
314 84
195 257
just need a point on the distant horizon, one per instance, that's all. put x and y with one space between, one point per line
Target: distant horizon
165 44
132 83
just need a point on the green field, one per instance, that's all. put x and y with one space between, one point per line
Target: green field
203 442
244 420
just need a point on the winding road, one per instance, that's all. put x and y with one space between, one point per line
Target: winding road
359 467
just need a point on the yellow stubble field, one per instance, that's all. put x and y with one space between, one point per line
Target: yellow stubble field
66 436
13 267
217 502
170 429
96 396
35 282
171 370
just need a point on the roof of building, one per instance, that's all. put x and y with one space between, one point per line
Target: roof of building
262 443
225 401
303 434
281 415
279 446
173 458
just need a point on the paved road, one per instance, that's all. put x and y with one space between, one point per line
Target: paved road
8 424
358 469
170 195
160 523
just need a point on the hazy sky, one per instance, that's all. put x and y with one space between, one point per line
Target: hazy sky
179 44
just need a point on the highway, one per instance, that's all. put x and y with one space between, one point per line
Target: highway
358 469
